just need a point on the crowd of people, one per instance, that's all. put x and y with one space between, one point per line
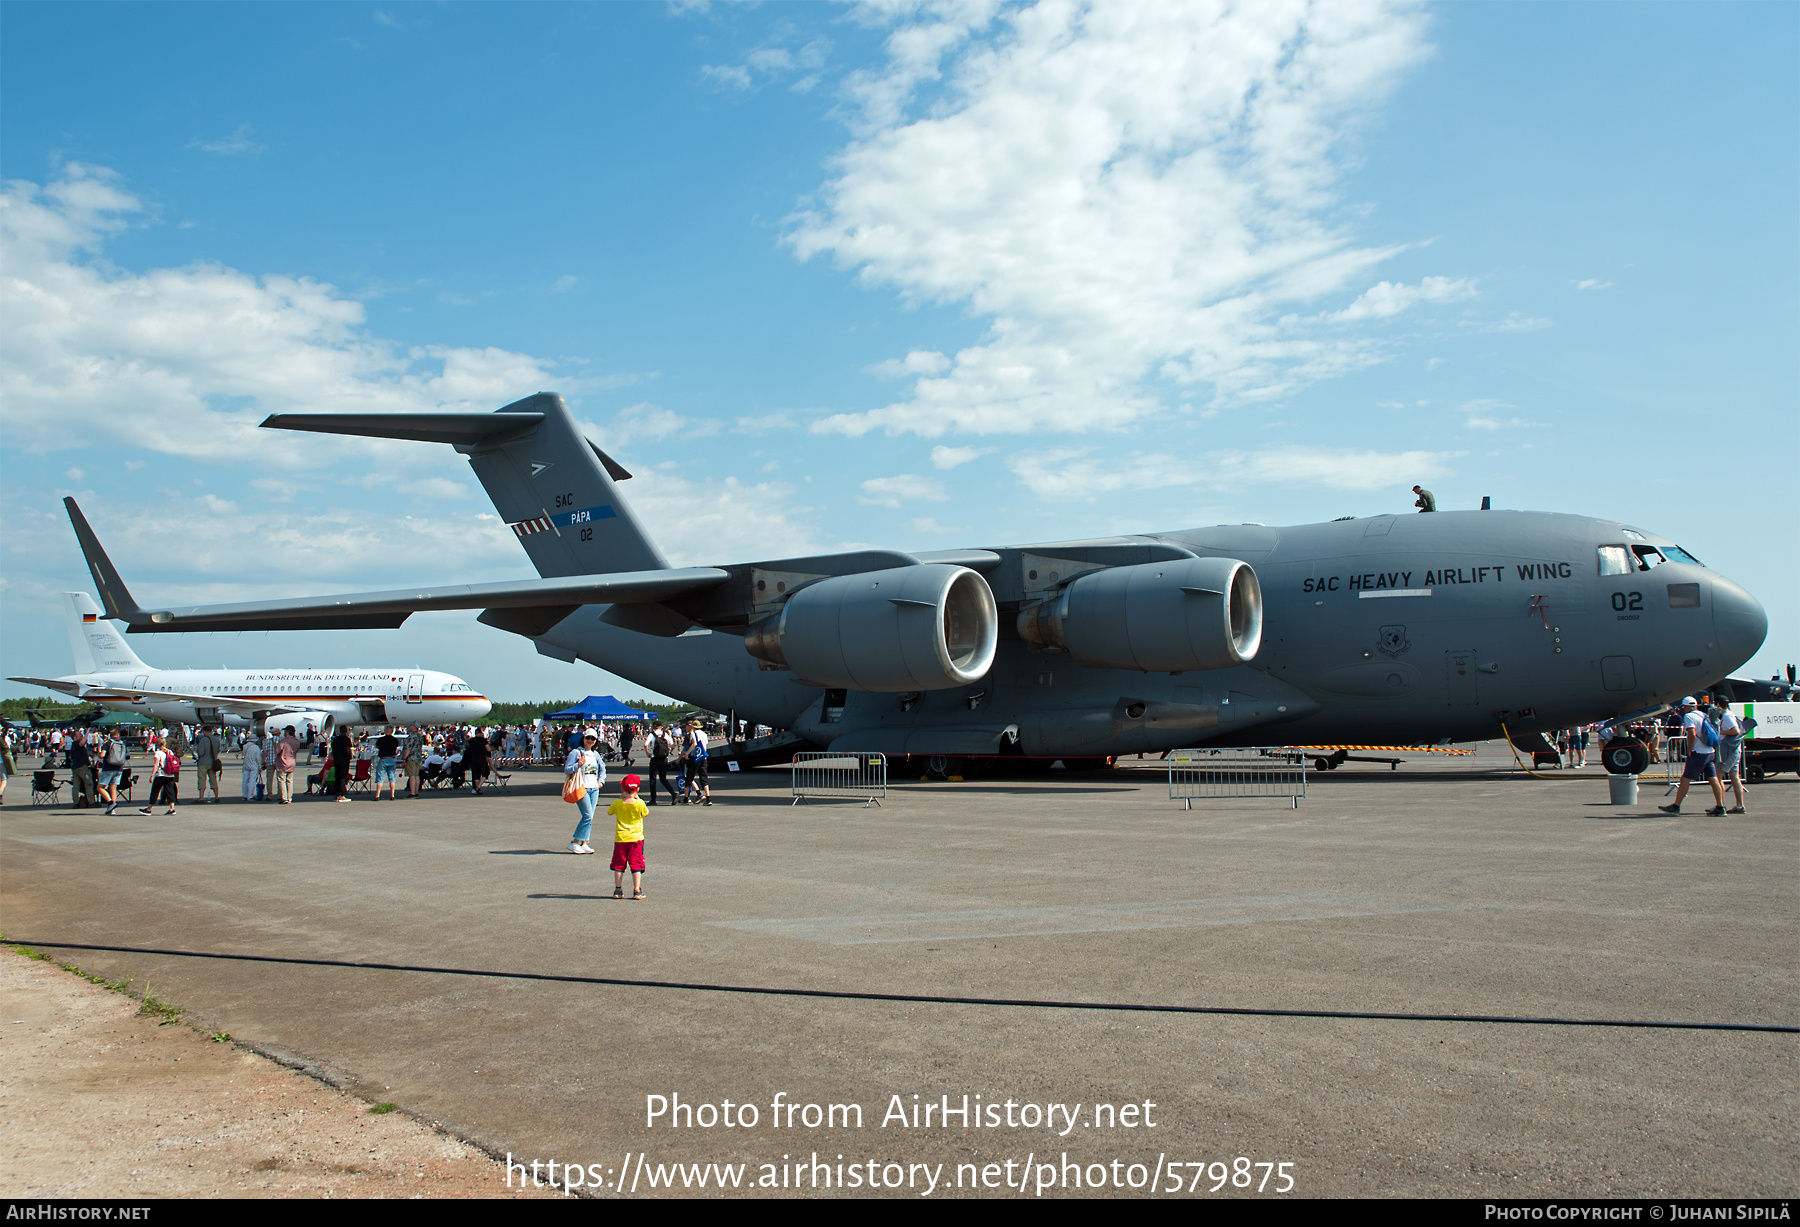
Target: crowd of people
105 764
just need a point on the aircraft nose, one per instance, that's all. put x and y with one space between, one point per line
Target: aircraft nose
1740 624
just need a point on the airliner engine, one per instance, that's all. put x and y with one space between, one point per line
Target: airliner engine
1197 613
925 627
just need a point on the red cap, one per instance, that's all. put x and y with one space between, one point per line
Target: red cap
630 782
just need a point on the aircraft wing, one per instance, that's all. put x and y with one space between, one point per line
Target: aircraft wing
73 688
390 609
241 707
384 610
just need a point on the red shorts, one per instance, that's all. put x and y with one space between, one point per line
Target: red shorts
629 856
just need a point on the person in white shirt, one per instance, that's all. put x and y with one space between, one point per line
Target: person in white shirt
1731 743
584 764
252 767
1702 762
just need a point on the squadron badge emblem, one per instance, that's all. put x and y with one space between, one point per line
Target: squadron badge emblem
1393 641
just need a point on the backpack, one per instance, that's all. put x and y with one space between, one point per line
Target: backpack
1709 733
115 754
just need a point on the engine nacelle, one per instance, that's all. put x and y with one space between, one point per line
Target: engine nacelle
925 627
1158 617
322 723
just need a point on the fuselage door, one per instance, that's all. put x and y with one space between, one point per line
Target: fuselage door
415 687
1460 666
140 682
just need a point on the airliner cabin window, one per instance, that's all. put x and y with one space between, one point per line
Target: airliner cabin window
1613 560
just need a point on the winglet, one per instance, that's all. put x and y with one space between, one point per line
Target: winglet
113 594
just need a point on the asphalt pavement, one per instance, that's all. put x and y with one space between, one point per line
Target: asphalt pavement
1448 887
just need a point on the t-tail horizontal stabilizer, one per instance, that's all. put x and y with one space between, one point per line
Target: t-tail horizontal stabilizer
553 487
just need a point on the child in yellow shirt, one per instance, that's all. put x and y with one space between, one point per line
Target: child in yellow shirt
628 838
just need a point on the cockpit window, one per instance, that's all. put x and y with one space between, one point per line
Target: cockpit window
1647 556
1674 553
1614 560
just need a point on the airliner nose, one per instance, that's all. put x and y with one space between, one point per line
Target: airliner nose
1740 624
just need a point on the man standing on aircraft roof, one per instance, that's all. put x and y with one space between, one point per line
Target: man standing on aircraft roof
1425 501
584 762
1701 760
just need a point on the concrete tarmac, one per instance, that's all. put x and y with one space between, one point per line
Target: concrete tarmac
1450 886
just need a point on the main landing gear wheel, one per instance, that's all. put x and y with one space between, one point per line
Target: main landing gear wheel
1625 756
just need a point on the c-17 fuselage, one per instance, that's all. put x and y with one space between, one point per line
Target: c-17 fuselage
1396 628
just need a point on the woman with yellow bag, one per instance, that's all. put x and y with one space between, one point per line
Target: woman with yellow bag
583 774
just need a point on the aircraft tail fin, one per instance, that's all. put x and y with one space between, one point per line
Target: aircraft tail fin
555 489
112 590
94 642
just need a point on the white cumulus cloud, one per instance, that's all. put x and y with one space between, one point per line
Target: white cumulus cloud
951 457
1390 298
1124 191
902 488
129 354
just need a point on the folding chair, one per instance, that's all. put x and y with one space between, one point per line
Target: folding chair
45 788
363 776
127 781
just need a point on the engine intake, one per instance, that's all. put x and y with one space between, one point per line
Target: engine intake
1158 617
926 627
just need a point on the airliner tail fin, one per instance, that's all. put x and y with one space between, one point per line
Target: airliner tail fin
96 645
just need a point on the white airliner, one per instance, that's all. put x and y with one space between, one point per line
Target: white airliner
109 673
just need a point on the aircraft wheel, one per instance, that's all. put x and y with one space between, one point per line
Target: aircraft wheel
1625 756
1320 764
937 767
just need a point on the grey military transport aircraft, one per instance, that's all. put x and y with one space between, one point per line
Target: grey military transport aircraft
1393 628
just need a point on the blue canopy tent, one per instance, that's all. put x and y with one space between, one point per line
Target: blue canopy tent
600 707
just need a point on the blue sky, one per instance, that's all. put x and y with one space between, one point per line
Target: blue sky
919 275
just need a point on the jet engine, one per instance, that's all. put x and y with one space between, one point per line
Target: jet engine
1158 617
925 627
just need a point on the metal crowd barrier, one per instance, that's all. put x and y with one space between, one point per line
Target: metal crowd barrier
824 776
1672 759
1238 771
